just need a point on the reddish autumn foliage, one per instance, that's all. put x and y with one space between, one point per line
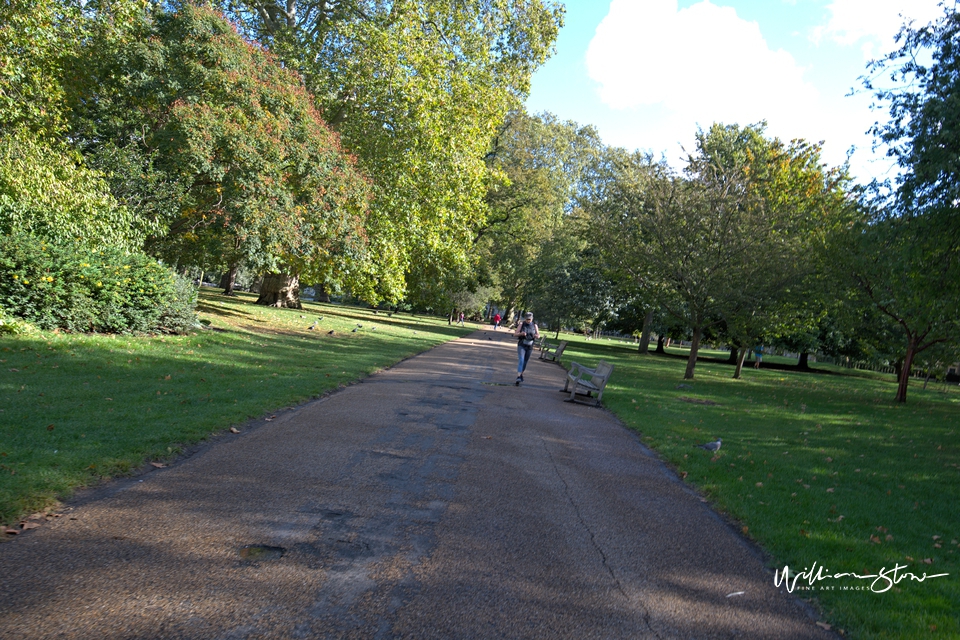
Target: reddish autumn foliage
261 178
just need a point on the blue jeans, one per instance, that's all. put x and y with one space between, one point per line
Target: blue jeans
523 356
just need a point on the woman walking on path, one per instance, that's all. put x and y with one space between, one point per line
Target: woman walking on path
527 332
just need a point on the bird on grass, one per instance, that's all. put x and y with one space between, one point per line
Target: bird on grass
710 446
313 326
330 333
353 331
359 326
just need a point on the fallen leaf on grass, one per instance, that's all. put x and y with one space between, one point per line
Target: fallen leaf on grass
824 625
49 427
830 490
26 526
234 430
927 561
158 465
875 540
11 531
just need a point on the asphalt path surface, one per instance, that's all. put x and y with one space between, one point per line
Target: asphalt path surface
434 500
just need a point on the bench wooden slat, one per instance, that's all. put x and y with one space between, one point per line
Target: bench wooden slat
590 380
553 351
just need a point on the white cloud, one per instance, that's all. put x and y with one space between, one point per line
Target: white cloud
873 23
696 66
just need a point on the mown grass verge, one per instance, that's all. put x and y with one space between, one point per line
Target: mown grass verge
815 467
77 408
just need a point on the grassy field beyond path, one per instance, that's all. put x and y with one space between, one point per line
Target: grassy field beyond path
77 408
818 468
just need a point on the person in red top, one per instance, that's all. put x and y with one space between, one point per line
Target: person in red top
496 322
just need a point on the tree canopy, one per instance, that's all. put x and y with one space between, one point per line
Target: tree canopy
417 90
261 178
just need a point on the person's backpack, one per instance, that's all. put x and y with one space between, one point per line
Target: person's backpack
529 336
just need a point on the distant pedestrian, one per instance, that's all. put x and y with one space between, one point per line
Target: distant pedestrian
527 332
460 321
496 322
758 352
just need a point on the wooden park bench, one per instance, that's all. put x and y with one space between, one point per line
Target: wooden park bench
552 351
587 381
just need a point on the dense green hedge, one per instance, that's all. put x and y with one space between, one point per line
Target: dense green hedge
105 290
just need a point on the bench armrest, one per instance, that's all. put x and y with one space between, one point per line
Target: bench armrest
578 371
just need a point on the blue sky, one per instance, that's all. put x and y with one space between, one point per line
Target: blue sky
646 73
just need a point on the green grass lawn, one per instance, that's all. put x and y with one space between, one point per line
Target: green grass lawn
815 467
77 408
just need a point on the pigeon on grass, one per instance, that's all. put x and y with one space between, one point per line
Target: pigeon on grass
710 446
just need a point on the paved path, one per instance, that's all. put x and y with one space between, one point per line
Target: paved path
434 500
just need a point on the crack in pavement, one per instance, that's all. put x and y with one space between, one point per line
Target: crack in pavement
593 540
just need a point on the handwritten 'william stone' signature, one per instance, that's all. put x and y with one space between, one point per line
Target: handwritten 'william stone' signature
882 581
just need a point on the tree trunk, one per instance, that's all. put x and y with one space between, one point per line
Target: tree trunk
694 347
660 341
228 279
322 295
734 356
644 346
804 363
280 290
905 371
741 356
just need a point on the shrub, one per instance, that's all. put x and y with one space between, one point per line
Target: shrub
12 326
106 290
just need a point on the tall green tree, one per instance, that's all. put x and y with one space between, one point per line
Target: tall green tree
536 164
725 241
417 90
900 266
260 178
923 131
907 253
